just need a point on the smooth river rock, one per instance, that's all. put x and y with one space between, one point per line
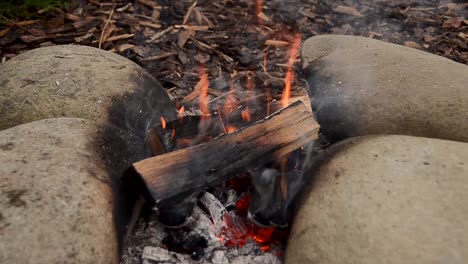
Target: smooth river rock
57 204
83 82
361 86
384 199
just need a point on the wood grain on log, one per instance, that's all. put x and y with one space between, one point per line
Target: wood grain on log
213 162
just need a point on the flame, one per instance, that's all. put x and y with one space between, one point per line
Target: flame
221 120
180 113
230 128
163 123
230 105
246 115
204 102
173 133
250 87
289 78
204 107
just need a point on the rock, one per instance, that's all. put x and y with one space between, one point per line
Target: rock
80 81
362 86
56 200
384 199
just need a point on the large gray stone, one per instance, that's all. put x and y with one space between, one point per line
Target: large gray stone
361 86
80 81
57 204
384 199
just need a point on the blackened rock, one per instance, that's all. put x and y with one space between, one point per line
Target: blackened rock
58 200
362 86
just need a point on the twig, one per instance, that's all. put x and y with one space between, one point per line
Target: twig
120 37
276 43
192 27
189 12
150 3
222 95
105 26
159 34
158 57
150 25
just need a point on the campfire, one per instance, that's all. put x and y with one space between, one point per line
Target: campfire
222 180
224 173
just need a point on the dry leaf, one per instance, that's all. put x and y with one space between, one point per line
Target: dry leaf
428 38
453 22
412 44
4 31
183 36
347 10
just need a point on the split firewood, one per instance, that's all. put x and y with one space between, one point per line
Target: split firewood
213 162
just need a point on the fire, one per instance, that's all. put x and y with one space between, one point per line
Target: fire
245 115
289 78
180 113
204 105
230 129
163 122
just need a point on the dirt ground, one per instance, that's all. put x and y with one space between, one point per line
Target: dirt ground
236 41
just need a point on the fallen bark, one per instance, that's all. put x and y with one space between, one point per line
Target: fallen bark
213 162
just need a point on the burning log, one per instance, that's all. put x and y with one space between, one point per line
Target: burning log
213 162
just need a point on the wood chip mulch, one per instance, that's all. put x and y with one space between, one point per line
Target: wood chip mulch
242 45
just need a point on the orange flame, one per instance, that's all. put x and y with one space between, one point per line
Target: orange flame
173 133
180 113
163 122
230 128
289 78
204 108
245 115
221 119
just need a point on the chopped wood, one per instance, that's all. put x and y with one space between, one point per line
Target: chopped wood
277 105
213 162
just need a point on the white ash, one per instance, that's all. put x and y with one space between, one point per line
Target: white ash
146 245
